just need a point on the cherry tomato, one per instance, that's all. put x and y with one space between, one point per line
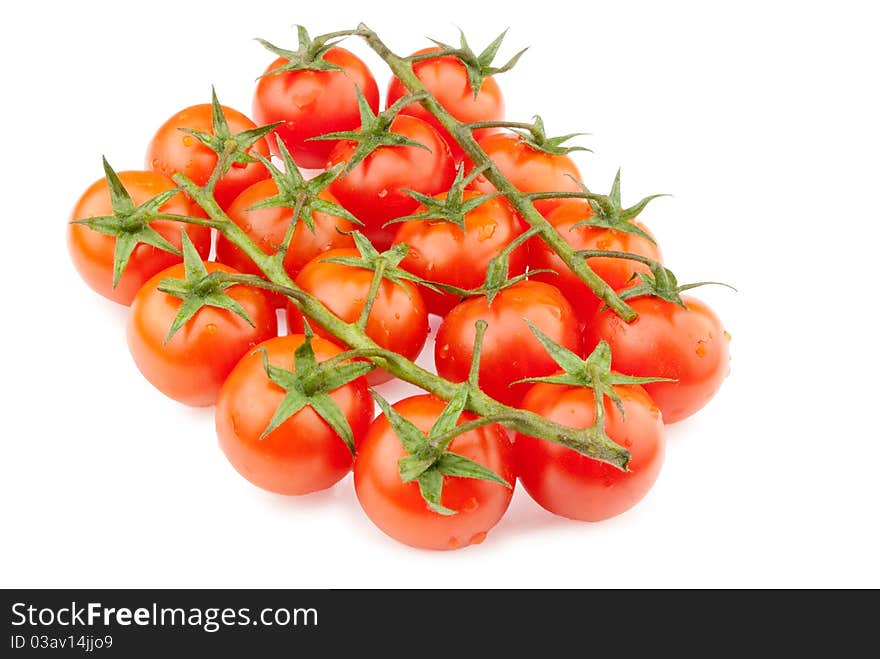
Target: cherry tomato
446 78
440 251
172 151
398 320
311 103
572 485
373 190
303 454
616 272
267 227
191 367
398 508
528 169
688 345
93 252
510 350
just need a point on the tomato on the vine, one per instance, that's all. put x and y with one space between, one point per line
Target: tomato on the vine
446 78
440 251
373 191
510 350
528 169
398 320
314 102
93 253
614 271
688 345
303 453
171 151
267 227
399 509
567 483
191 365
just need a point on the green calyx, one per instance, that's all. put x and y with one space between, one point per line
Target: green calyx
594 372
308 57
609 213
310 384
479 67
497 272
375 130
129 224
453 207
198 289
301 196
228 147
429 458
536 137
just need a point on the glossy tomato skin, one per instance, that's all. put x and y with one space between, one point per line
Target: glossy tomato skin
528 169
373 190
615 272
688 345
440 251
172 151
302 455
398 320
572 485
93 252
398 508
510 350
191 367
267 227
446 78
311 103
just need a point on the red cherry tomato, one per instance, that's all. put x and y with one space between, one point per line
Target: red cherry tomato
510 350
267 227
446 78
688 345
172 151
303 454
93 252
191 367
616 272
440 251
572 485
373 190
529 169
398 508
398 320
312 103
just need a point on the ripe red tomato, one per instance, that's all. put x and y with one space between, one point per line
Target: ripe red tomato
688 345
398 508
172 151
303 454
446 78
267 226
398 320
572 485
510 350
373 190
529 169
440 251
191 367
311 103
93 252
616 272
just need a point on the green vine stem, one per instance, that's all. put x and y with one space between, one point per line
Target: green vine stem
583 441
521 201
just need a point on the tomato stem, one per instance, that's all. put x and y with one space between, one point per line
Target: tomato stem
462 133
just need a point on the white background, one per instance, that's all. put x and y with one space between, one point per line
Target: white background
762 119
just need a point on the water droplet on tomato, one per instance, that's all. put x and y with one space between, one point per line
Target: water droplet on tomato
154 163
478 538
188 140
486 231
470 505
211 328
444 351
453 543
727 336
383 193
701 349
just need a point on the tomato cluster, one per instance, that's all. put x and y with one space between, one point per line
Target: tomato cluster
400 217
